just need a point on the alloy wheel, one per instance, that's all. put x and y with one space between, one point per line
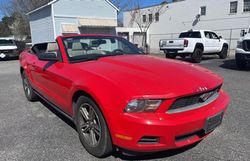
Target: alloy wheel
90 125
26 86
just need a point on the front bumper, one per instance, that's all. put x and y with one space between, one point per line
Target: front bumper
11 54
243 55
172 130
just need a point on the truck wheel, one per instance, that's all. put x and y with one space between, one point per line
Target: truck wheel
92 128
197 55
223 53
240 62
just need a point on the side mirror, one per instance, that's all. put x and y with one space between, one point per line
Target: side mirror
242 33
48 56
220 37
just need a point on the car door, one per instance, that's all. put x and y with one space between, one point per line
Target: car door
50 76
216 42
32 63
208 42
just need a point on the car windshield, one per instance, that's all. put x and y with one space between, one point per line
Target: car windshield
6 42
83 48
190 35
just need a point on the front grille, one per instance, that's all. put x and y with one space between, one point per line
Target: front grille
185 137
194 101
7 51
246 45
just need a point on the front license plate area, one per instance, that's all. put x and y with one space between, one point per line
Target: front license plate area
213 122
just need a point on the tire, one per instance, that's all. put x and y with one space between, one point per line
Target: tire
240 62
92 128
223 53
197 55
28 90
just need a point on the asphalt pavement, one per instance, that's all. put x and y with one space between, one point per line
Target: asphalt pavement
34 131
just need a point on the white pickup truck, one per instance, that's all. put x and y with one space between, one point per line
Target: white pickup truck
195 43
8 48
242 52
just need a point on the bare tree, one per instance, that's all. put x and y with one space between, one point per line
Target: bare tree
17 9
9 7
144 18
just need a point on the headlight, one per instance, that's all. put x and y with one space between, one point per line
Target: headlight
239 44
143 105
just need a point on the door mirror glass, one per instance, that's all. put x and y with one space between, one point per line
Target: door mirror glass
51 56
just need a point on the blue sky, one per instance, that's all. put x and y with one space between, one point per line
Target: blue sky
145 3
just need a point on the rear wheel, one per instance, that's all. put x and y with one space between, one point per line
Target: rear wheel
92 128
197 55
223 53
28 90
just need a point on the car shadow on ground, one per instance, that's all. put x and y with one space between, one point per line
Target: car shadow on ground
58 114
8 59
204 58
149 156
231 64
123 154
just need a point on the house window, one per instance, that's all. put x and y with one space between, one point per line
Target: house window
157 16
246 5
233 7
150 18
144 18
203 10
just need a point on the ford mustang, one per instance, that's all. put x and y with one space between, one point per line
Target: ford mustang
117 96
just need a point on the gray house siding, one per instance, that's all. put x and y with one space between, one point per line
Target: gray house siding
88 8
46 22
68 12
41 24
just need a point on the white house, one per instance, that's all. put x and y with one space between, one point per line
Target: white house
225 17
60 17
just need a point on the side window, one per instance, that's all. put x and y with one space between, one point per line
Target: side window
46 48
214 36
207 35
52 48
39 48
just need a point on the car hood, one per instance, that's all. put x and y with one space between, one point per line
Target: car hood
11 47
148 76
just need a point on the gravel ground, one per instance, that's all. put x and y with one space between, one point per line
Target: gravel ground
34 131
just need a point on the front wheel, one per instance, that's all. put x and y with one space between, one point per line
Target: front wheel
197 55
223 53
92 128
28 90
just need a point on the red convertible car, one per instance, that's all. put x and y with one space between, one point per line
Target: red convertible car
117 96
